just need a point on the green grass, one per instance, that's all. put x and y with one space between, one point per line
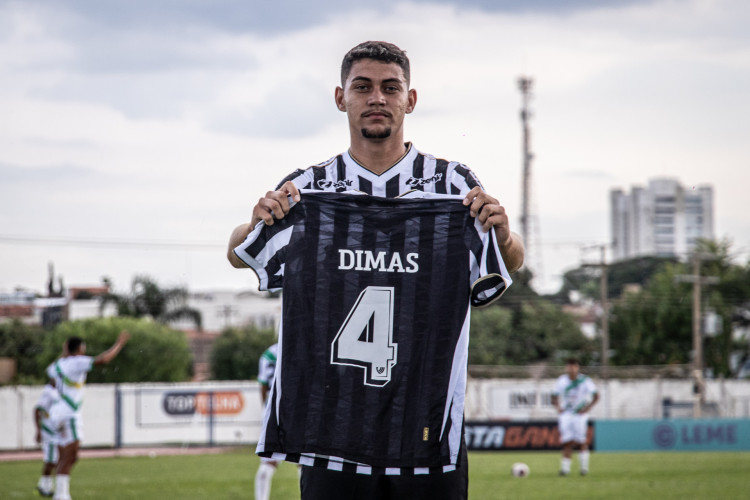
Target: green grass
230 476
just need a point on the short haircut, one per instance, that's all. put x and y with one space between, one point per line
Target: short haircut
573 361
380 51
73 344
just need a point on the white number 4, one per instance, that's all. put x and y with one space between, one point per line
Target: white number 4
365 339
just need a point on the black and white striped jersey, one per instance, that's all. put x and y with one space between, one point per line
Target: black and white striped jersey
414 171
373 346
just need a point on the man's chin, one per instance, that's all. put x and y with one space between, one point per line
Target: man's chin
376 134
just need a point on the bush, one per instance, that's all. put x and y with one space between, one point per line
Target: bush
155 353
236 352
24 344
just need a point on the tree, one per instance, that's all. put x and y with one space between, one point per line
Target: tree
236 352
155 353
148 299
654 326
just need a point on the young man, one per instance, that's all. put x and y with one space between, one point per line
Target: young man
375 94
574 395
69 373
267 468
45 436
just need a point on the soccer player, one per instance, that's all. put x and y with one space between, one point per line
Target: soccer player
376 96
45 437
69 373
267 468
574 395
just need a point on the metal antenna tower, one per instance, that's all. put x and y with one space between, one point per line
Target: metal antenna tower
524 85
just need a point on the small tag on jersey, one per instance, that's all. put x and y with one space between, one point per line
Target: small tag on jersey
426 434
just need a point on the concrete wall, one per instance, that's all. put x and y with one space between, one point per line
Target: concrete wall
151 414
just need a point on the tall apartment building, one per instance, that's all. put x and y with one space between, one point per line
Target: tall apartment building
664 218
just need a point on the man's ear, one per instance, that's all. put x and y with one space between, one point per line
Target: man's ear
412 100
339 97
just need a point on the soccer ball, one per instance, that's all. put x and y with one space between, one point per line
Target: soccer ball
520 469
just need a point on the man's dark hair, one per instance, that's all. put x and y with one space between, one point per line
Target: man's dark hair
380 51
73 344
573 361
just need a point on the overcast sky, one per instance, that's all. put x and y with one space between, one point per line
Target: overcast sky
135 135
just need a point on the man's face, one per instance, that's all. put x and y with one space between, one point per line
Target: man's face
572 370
375 97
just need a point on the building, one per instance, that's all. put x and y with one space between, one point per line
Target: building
664 219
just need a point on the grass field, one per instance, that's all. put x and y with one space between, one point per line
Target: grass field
230 476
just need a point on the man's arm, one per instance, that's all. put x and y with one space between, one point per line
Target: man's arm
275 205
556 403
586 408
37 424
491 214
112 352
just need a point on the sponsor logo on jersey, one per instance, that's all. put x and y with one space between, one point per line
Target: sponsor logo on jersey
413 181
366 260
328 184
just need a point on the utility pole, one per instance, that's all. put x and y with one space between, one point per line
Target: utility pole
604 291
604 298
699 388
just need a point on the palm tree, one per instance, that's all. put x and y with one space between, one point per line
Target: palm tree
148 299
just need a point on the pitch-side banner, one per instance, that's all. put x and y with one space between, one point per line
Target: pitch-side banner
159 407
506 436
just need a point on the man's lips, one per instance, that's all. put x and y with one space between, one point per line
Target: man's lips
376 114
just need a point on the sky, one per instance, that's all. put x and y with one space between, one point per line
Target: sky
135 135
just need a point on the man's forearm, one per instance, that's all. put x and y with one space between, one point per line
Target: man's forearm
513 252
238 236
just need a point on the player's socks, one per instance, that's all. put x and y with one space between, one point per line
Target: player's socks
45 486
62 487
565 466
583 459
263 481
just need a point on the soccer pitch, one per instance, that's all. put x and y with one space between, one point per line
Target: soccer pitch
230 476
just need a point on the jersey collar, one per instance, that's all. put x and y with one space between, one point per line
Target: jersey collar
408 158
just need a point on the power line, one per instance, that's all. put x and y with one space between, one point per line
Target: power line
109 243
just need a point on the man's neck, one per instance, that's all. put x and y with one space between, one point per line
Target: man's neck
377 157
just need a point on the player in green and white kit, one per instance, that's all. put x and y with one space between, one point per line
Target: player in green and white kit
69 373
267 468
45 436
574 395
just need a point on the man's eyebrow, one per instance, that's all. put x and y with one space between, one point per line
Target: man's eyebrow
366 79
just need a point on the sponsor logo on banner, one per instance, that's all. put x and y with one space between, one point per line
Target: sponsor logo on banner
190 403
667 435
542 435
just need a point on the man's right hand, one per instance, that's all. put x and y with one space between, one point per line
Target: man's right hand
275 205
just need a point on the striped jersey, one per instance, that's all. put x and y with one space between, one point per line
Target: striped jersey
371 372
414 171
69 374
267 365
46 400
574 394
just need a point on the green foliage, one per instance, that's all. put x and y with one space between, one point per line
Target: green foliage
155 352
236 352
23 343
535 330
654 325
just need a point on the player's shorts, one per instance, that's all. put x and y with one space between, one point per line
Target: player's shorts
573 427
317 483
49 445
68 427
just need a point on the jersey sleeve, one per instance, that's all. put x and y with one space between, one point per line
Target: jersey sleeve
490 277
559 387
264 251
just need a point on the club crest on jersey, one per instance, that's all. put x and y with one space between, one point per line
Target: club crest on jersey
413 181
327 184
366 260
